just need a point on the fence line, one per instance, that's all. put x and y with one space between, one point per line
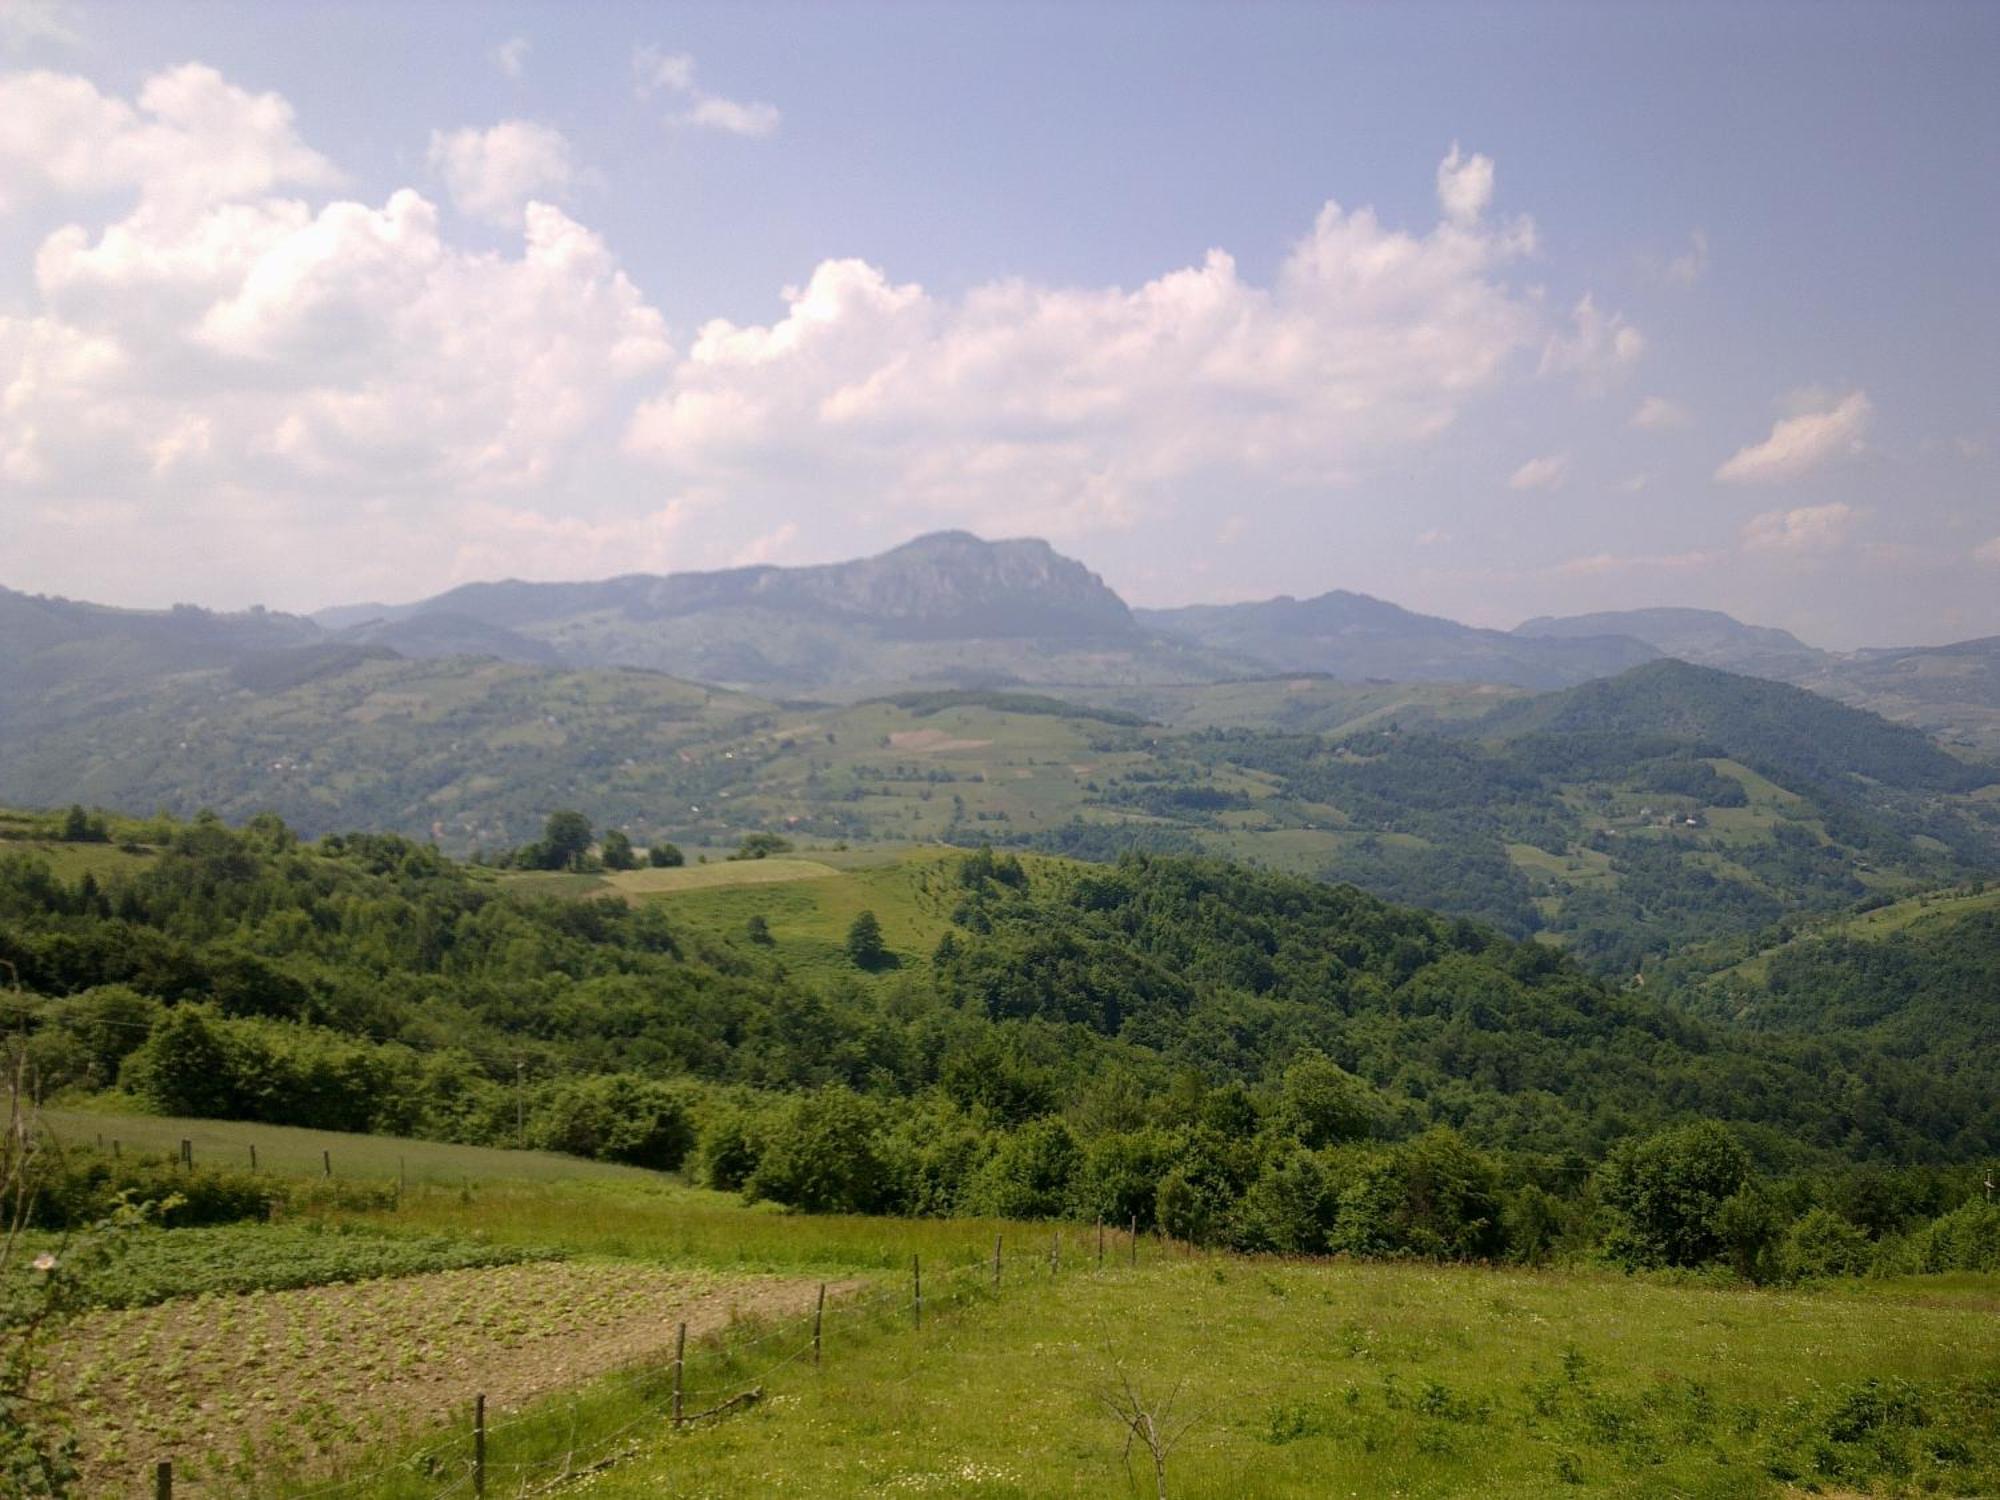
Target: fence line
733 1390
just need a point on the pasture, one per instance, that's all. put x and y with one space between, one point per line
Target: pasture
337 1353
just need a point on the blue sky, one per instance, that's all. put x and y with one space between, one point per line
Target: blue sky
1617 305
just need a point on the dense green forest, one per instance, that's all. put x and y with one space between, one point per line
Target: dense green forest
1167 1039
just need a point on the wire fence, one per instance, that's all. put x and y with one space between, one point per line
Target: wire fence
560 1440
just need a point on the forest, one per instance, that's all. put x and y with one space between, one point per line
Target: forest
1239 1057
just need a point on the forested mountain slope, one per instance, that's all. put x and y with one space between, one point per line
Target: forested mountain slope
1920 980
366 981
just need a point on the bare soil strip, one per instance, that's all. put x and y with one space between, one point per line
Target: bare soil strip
297 1376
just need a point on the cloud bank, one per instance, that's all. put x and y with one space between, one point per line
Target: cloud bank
243 367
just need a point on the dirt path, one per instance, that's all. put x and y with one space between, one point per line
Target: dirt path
217 1383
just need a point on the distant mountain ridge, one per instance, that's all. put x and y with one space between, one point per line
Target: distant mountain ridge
1356 636
950 611
947 609
1705 637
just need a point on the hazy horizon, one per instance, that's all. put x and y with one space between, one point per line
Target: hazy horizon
1488 312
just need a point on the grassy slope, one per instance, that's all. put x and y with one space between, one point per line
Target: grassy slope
1308 1378
288 1152
1319 1380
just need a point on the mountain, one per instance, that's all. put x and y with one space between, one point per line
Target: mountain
1797 734
61 659
445 633
1706 637
337 735
1356 637
1952 691
943 610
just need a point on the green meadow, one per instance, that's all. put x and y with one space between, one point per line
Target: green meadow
1290 1378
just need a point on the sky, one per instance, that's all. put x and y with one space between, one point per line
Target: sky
1490 310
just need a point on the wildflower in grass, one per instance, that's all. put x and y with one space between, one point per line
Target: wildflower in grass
44 1262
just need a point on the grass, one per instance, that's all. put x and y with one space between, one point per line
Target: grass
1368 1380
808 918
677 1225
1320 1379
1304 1379
289 1152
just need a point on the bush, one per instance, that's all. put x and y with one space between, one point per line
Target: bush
1666 1194
820 1155
616 1118
665 857
1822 1243
1029 1176
729 1148
1966 1239
83 1187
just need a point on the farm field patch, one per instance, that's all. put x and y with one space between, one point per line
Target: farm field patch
160 1265
230 1385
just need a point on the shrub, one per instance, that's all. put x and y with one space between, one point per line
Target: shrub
1821 1243
82 1187
820 1155
616 1118
1666 1194
1966 1239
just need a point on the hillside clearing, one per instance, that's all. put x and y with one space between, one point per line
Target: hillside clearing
286 1151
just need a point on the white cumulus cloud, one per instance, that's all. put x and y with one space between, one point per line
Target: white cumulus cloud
1464 186
26 23
1800 444
1060 409
1804 529
1691 264
511 56
656 71
190 139
1658 414
1549 472
298 377
493 174
1596 348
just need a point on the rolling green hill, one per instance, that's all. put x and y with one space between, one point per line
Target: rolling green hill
1625 819
367 983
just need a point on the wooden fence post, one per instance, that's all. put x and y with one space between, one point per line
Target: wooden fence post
996 1262
680 1365
402 1175
115 1152
1055 1252
917 1291
326 1163
187 1152
1100 1242
1135 1239
253 1156
163 1480
479 1444
819 1312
